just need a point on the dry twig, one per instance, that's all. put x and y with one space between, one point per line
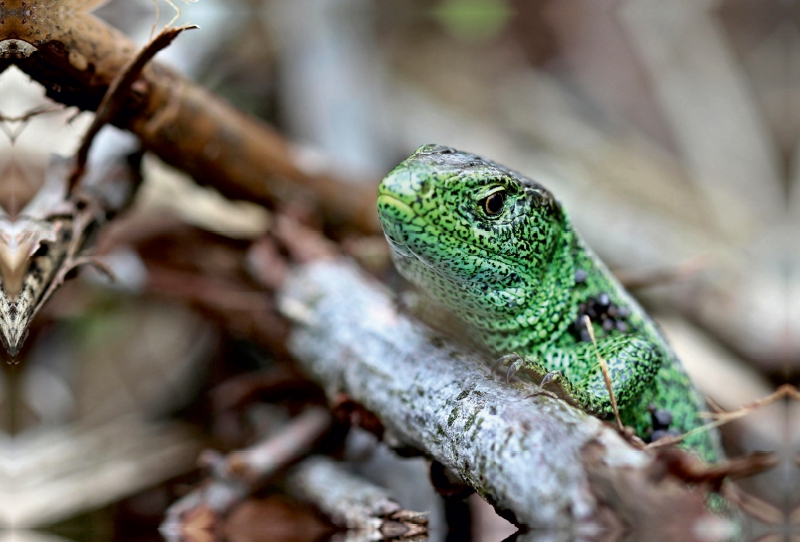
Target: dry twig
234 476
353 502
23 119
606 375
786 391
116 97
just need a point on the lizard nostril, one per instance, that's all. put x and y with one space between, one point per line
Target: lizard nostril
426 188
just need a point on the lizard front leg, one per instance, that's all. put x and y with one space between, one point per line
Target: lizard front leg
574 374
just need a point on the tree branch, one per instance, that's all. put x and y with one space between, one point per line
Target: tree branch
353 502
114 97
234 476
539 461
77 57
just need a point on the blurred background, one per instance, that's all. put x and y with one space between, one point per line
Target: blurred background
669 130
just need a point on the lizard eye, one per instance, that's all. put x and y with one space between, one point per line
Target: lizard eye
494 203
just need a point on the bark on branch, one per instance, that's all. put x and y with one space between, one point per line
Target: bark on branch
353 502
539 461
75 56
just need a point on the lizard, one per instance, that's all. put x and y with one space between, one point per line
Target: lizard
499 252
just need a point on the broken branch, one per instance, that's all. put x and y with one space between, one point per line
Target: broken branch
234 476
353 502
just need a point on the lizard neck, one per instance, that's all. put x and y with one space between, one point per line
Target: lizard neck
546 314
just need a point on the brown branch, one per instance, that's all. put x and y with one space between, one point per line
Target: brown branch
234 476
115 97
693 471
78 56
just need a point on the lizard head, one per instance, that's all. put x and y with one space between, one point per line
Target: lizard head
475 235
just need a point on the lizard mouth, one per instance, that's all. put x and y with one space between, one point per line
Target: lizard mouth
415 241
397 219
409 235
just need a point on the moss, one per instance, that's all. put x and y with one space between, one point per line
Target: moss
472 418
477 427
453 416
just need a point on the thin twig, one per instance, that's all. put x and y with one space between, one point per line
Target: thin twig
158 14
606 375
155 19
114 97
233 476
716 407
177 11
36 111
24 118
786 391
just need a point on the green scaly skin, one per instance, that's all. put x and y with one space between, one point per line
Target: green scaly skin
521 281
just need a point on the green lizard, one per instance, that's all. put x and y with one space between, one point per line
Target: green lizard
500 252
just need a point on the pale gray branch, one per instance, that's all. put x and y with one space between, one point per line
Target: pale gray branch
353 502
539 461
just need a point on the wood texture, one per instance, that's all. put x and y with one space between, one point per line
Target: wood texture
539 461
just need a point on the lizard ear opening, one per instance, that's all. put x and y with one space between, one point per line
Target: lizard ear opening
556 210
545 199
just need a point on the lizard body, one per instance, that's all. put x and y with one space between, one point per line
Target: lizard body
499 251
